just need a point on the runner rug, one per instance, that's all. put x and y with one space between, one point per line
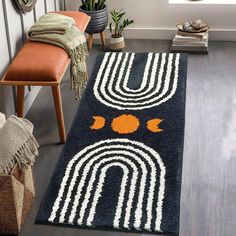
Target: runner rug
121 166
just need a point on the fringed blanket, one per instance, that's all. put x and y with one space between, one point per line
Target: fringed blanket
2 119
61 31
17 144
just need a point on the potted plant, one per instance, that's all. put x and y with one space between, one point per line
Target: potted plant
97 9
117 42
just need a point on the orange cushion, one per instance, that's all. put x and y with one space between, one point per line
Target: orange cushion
42 62
38 62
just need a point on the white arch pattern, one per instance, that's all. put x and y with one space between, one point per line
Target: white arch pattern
157 86
127 155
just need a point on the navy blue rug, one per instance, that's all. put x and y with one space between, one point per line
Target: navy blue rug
121 166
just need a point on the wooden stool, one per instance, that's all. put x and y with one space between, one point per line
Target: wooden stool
39 64
90 39
55 85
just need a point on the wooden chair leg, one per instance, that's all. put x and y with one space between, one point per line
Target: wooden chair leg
87 74
90 41
102 36
59 112
20 100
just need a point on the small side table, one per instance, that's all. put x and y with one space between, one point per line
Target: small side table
90 39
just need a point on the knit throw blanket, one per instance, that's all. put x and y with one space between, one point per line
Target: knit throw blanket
61 31
17 145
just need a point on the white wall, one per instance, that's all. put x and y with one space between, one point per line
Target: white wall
157 18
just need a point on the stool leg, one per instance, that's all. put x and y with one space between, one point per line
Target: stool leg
102 36
59 112
90 41
20 100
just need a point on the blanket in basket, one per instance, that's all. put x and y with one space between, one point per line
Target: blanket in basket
17 144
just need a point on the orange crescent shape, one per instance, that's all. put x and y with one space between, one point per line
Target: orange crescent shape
99 122
152 125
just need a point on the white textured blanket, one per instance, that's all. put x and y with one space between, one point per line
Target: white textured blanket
17 144
2 119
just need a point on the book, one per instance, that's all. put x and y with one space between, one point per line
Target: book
192 39
186 43
189 51
190 44
189 48
184 49
196 35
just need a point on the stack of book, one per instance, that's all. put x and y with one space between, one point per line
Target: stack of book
190 42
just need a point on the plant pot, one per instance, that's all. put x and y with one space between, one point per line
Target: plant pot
117 44
98 21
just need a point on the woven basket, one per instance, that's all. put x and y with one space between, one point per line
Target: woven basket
16 197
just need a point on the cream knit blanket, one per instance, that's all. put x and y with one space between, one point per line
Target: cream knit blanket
61 31
17 144
2 119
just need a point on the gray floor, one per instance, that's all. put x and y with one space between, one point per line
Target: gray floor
208 205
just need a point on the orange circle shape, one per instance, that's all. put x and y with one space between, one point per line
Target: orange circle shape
125 124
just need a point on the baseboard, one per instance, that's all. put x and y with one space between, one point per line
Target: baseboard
168 34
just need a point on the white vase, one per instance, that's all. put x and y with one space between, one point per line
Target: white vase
117 44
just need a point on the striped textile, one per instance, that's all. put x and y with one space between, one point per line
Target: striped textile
60 30
121 167
159 82
104 155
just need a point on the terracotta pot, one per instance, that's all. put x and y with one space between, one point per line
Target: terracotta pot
117 44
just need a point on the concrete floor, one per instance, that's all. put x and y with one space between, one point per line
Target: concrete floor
208 204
